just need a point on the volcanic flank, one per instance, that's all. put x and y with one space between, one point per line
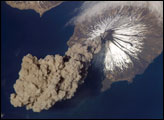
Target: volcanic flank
133 37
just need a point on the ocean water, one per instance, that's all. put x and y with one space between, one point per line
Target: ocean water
23 32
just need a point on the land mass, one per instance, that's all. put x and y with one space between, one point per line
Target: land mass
39 6
153 42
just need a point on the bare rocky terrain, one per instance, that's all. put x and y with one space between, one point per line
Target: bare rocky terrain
39 6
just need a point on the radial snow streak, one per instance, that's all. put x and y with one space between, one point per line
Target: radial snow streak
127 40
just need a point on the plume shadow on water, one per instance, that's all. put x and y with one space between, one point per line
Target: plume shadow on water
91 86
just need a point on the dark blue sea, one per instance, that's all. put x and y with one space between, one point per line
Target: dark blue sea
23 31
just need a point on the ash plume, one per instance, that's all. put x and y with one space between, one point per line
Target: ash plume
43 82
